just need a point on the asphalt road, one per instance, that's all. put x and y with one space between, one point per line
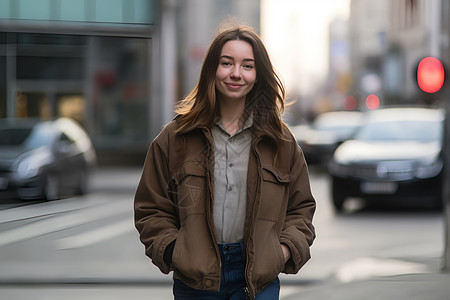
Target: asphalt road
87 247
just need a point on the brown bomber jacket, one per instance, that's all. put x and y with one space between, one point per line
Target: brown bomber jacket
174 199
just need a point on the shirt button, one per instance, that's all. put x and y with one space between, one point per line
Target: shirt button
230 188
208 283
231 165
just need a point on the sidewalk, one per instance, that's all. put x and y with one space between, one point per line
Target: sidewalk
412 286
431 284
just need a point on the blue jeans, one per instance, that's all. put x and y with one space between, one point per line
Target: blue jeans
232 284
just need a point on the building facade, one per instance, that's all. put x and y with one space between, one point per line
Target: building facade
387 40
116 66
87 60
414 33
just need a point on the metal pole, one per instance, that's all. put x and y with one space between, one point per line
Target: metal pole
445 54
446 195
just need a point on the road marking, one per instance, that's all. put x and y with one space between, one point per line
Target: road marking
367 267
94 236
61 222
47 208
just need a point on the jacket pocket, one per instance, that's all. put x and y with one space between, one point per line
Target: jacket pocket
269 258
194 257
274 193
275 175
189 190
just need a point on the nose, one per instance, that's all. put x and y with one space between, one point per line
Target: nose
235 73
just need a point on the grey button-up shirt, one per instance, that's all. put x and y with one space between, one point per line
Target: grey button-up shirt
230 185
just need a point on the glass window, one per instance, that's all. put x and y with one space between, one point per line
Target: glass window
50 56
14 136
49 68
41 135
3 84
121 91
424 131
33 105
105 88
71 106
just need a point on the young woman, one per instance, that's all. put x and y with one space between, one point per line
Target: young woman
224 199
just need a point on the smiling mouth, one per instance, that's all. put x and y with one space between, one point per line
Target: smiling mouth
234 86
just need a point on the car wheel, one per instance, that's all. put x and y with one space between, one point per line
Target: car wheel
338 196
52 187
82 183
438 202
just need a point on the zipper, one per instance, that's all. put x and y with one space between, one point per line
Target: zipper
247 293
255 209
209 203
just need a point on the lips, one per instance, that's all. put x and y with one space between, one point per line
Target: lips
234 86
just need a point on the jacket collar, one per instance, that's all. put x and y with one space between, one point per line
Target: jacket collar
207 131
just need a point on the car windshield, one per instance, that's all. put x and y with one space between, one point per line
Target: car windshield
29 138
338 129
340 125
422 131
13 136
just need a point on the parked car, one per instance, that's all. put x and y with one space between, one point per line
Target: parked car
326 133
44 159
395 156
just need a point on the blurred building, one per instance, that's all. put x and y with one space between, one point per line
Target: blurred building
116 66
339 79
368 29
88 60
387 40
414 33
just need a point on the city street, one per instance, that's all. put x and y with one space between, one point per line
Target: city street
87 247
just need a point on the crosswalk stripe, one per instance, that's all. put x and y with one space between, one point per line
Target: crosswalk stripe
94 236
60 222
47 208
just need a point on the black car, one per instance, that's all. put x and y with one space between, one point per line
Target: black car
44 159
326 133
395 156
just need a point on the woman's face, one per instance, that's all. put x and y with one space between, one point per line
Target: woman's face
236 72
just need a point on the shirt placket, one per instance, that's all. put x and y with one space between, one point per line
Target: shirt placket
230 197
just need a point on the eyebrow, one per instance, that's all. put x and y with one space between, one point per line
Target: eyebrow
232 58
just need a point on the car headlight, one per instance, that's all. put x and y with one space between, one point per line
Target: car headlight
431 170
31 165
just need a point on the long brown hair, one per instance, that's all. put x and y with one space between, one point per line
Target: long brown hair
265 100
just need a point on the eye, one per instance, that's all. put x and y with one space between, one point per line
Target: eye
249 66
225 63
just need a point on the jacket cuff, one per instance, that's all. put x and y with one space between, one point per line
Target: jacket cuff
168 253
159 253
290 266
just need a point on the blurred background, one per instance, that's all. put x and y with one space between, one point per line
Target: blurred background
114 69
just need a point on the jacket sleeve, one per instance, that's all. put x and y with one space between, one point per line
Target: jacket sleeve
298 232
154 212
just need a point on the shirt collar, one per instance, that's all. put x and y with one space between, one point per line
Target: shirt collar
243 125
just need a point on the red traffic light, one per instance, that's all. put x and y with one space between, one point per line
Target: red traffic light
430 74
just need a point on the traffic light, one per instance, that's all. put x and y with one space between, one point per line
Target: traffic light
430 74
